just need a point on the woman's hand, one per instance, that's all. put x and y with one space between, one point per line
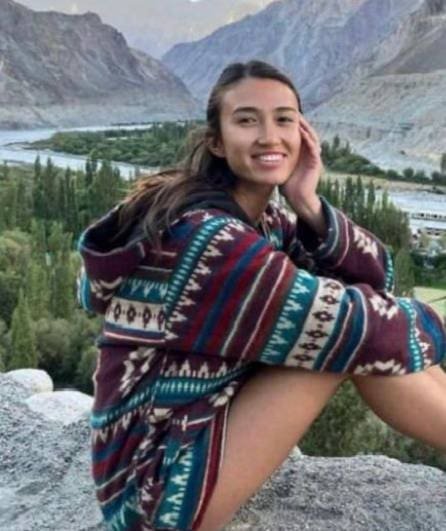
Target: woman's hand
300 188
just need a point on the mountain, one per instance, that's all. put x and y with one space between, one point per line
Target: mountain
396 116
69 70
370 70
154 26
318 43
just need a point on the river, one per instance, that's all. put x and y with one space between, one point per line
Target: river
12 151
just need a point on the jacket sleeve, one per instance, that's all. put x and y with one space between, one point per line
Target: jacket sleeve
349 252
233 295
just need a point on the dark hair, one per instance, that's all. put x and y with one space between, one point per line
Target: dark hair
157 199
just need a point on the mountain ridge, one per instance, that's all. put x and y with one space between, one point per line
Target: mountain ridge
59 69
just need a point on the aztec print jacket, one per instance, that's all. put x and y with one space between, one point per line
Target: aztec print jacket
225 291
181 336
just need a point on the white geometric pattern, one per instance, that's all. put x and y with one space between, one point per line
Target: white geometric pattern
365 242
383 367
385 307
133 374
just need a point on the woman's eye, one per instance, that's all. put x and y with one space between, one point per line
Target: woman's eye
246 120
285 119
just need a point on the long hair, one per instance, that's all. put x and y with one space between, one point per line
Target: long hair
157 199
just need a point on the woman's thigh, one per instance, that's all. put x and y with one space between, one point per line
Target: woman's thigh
266 419
439 374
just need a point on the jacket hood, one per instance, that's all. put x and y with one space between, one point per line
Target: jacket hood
108 259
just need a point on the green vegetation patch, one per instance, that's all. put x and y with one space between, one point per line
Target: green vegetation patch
159 145
435 297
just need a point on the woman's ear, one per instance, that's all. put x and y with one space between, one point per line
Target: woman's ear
216 147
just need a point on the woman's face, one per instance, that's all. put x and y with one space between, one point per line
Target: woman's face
260 135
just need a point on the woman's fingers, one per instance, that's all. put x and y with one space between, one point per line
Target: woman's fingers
311 142
308 127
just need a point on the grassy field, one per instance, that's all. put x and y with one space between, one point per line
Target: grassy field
429 294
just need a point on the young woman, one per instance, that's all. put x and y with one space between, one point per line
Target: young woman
231 321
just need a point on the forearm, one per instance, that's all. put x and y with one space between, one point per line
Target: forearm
313 215
347 251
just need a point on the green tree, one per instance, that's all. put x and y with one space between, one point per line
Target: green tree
336 143
4 175
408 173
85 370
37 290
404 273
23 346
62 288
443 164
53 337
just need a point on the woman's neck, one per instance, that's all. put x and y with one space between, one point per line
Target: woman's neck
253 204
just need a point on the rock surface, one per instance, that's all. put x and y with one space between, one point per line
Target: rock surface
325 46
44 474
61 406
69 70
363 493
34 380
45 484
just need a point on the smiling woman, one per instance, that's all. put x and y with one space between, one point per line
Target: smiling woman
230 320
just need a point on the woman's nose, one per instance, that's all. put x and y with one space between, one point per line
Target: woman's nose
268 134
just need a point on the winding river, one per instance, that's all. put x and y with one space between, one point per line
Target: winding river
12 149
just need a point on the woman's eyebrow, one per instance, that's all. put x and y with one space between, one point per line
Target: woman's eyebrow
245 109
282 109
255 109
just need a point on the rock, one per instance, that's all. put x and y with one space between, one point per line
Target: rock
34 380
45 483
61 406
363 493
324 46
152 28
69 70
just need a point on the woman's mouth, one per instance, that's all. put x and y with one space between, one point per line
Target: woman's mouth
269 159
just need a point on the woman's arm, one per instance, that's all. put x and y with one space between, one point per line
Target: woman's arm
346 251
334 242
233 295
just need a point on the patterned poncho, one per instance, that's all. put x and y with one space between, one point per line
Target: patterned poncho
181 335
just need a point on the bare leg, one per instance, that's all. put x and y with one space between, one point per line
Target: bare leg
438 374
267 418
414 404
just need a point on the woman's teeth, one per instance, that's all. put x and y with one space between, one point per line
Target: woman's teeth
270 158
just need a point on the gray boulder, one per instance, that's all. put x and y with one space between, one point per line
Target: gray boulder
45 483
362 493
33 380
45 468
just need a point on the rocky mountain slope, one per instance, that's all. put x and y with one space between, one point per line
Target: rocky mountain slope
320 44
154 26
371 68
69 70
397 114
